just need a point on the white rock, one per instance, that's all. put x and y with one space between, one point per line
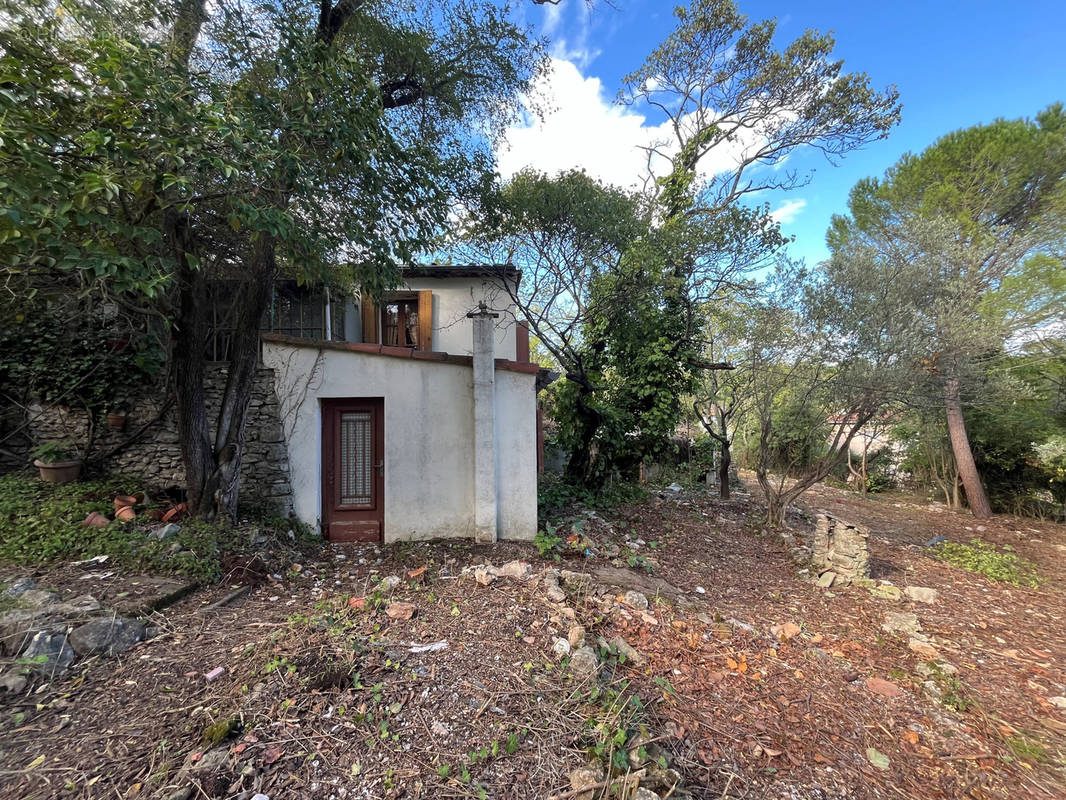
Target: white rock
1058 702
561 648
921 594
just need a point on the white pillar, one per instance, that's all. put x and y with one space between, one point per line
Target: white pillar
485 511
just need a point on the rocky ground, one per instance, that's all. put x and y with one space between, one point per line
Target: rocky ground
676 643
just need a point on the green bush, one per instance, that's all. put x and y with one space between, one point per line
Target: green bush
1004 566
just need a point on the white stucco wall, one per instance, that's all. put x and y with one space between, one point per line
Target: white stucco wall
429 472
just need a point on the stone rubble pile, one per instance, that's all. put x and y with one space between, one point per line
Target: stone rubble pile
840 551
46 634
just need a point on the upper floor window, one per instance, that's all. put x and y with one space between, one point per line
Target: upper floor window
404 319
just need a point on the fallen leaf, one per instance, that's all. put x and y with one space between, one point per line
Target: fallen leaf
357 602
877 758
785 631
35 763
911 737
271 754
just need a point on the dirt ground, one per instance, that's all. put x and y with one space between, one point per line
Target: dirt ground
753 682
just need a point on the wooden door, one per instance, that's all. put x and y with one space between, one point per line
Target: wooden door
353 470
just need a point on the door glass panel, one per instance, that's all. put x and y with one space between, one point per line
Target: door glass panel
356 458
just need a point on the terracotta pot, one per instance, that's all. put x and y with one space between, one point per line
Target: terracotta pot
125 514
96 520
116 421
59 472
156 514
122 500
176 513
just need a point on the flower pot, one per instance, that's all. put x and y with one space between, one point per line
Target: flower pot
96 520
123 500
117 421
125 514
58 472
176 513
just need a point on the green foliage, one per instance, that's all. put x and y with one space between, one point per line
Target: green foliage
1001 565
556 493
547 541
41 523
1026 748
55 452
57 358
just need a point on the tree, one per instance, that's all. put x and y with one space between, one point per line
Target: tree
737 107
982 209
325 141
823 364
726 392
569 234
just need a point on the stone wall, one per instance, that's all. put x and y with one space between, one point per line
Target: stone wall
841 551
155 457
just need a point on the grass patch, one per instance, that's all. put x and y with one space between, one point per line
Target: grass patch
41 523
998 564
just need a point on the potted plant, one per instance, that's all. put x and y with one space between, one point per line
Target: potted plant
57 462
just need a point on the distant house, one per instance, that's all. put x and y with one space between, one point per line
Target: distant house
414 418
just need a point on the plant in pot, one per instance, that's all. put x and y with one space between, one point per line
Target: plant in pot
57 462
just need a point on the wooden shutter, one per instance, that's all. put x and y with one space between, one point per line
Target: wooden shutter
370 320
425 320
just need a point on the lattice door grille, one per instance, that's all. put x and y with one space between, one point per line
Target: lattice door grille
357 437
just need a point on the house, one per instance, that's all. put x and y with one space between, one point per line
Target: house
412 419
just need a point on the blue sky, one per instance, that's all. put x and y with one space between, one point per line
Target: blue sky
955 64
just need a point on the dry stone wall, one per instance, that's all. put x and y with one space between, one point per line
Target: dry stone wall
841 551
155 457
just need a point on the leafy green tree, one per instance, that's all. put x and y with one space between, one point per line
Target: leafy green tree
162 148
970 236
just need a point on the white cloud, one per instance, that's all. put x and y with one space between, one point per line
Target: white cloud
581 127
788 211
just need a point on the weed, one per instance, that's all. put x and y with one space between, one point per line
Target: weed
1025 748
1002 565
547 541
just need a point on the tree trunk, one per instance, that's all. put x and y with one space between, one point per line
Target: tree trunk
960 446
723 471
579 465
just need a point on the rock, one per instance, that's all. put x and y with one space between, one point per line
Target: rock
635 599
882 687
624 648
49 653
576 636
901 622
561 648
78 606
552 588
924 649
95 520
390 583
886 591
519 570
921 594
168 531
38 598
936 540
401 610
674 487
645 794
106 635
13 682
16 629
825 580
1058 702
576 581
586 778
19 586
484 575
584 663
